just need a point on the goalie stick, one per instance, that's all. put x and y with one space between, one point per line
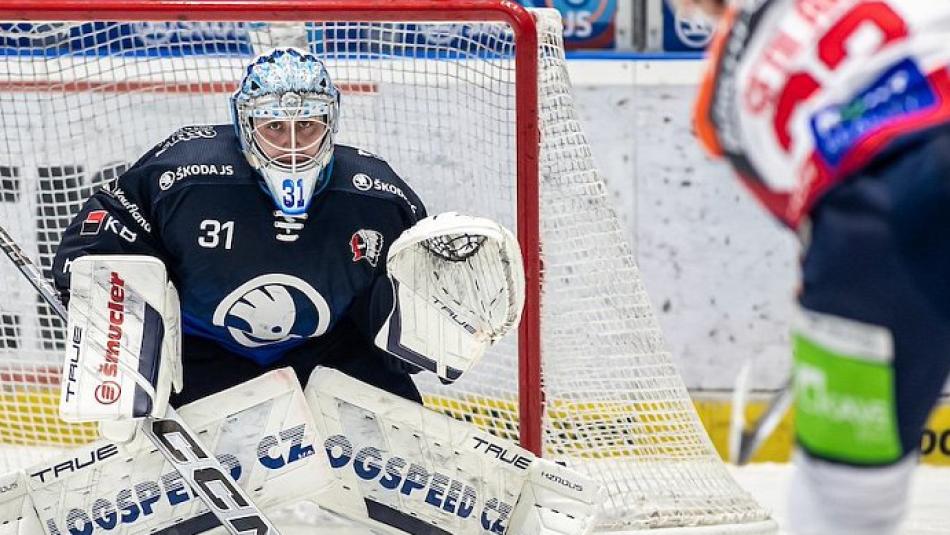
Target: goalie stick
171 435
743 441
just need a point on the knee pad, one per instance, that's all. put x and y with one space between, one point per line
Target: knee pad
829 498
845 400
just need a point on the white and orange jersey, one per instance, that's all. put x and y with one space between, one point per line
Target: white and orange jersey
800 94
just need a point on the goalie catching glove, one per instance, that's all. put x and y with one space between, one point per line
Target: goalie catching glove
123 352
459 288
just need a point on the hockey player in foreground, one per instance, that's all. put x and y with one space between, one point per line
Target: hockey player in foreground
836 114
297 262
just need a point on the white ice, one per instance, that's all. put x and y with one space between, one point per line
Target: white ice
929 511
928 514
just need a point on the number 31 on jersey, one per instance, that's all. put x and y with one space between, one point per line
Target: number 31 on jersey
213 233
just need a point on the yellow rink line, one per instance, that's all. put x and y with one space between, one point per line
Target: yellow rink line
31 418
41 426
715 414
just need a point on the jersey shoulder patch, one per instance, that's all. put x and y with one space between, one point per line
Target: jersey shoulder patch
184 135
361 172
203 144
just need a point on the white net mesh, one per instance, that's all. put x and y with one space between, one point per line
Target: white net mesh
80 102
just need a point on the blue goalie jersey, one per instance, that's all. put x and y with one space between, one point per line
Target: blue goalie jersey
258 289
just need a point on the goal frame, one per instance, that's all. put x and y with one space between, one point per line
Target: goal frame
527 128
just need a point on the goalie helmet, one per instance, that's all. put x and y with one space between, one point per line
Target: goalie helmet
286 112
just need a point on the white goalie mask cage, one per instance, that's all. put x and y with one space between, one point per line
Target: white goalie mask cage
291 90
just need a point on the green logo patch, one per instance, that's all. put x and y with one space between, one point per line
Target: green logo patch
844 405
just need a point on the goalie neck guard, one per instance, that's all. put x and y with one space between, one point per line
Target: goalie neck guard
286 112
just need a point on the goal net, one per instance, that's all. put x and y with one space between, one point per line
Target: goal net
454 99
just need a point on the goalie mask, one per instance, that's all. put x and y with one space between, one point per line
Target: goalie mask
286 112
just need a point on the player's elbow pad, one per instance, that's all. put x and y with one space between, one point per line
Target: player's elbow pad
123 346
458 287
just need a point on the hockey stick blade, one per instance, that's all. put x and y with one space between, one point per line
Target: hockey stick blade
752 439
171 435
737 422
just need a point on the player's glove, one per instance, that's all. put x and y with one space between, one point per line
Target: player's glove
459 288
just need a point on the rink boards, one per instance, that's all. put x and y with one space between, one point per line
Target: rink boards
715 410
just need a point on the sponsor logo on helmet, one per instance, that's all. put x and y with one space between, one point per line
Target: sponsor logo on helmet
186 133
366 245
169 178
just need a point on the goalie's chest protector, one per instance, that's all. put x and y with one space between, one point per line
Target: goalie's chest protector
259 282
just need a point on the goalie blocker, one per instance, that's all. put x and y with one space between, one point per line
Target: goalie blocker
124 343
373 457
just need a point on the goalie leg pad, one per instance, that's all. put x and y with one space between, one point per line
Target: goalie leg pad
261 432
555 501
17 513
401 468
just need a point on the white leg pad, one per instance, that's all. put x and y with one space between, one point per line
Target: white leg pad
17 513
260 430
402 468
835 498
